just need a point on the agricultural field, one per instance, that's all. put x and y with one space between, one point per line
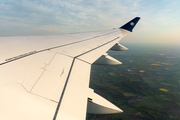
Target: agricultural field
146 86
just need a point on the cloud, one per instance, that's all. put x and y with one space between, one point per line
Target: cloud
29 17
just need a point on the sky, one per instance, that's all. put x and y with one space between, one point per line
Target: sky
159 24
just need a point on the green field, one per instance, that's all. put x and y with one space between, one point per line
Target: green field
145 86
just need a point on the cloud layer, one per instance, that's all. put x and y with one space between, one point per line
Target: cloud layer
31 17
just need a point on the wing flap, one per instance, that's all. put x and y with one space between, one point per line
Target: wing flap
73 104
51 82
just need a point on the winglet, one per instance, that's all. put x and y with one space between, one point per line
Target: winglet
131 24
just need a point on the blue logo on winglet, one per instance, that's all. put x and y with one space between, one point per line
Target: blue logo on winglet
131 24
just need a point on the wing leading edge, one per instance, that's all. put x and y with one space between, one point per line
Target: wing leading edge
53 82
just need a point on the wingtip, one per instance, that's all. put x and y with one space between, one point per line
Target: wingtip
131 24
138 17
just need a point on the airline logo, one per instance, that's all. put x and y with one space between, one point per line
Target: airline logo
132 24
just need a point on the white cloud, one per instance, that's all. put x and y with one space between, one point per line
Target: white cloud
49 28
62 16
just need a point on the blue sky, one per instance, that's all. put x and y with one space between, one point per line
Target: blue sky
160 19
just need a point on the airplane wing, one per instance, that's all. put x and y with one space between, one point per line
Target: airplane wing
47 77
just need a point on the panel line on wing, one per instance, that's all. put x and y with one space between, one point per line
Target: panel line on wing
36 94
83 60
44 97
60 100
77 41
97 47
61 97
37 81
54 48
52 59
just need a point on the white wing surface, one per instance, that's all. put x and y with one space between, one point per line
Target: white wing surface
47 77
